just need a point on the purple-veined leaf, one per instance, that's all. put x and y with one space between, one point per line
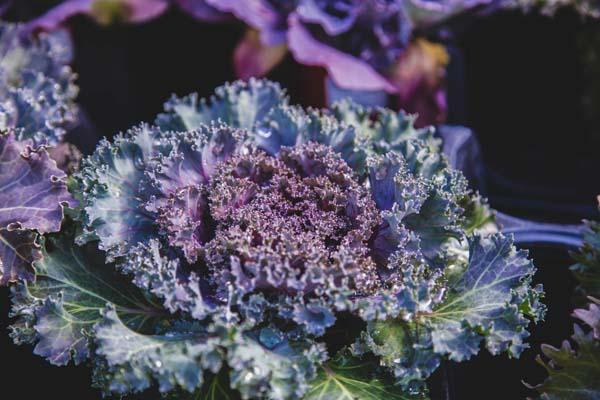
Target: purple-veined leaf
33 193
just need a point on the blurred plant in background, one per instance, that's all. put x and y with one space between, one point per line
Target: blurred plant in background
574 371
363 45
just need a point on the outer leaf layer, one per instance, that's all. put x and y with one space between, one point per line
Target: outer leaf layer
72 286
488 301
487 298
175 359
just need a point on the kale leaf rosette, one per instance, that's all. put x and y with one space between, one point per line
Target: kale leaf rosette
243 246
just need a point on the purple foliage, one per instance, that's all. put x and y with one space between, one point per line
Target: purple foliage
33 193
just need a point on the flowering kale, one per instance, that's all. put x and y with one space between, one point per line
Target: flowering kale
358 42
36 103
366 45
246 238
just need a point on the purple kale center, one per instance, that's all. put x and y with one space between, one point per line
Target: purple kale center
293 223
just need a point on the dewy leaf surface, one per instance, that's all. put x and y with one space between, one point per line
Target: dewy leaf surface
175 359
72 286
349 378
266 364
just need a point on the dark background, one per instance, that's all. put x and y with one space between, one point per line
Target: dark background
523 81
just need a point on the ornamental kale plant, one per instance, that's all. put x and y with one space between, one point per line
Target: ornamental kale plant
575 373
244 246
36 107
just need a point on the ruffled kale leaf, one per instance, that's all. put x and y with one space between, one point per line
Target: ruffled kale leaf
491 299
384 128
290 126
37 89
49 53
261 364
141 179
419 196
165 276
487 302
36 107
112 185
175 358
347 377
73 285
37 110
33 193
239 105
573 373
